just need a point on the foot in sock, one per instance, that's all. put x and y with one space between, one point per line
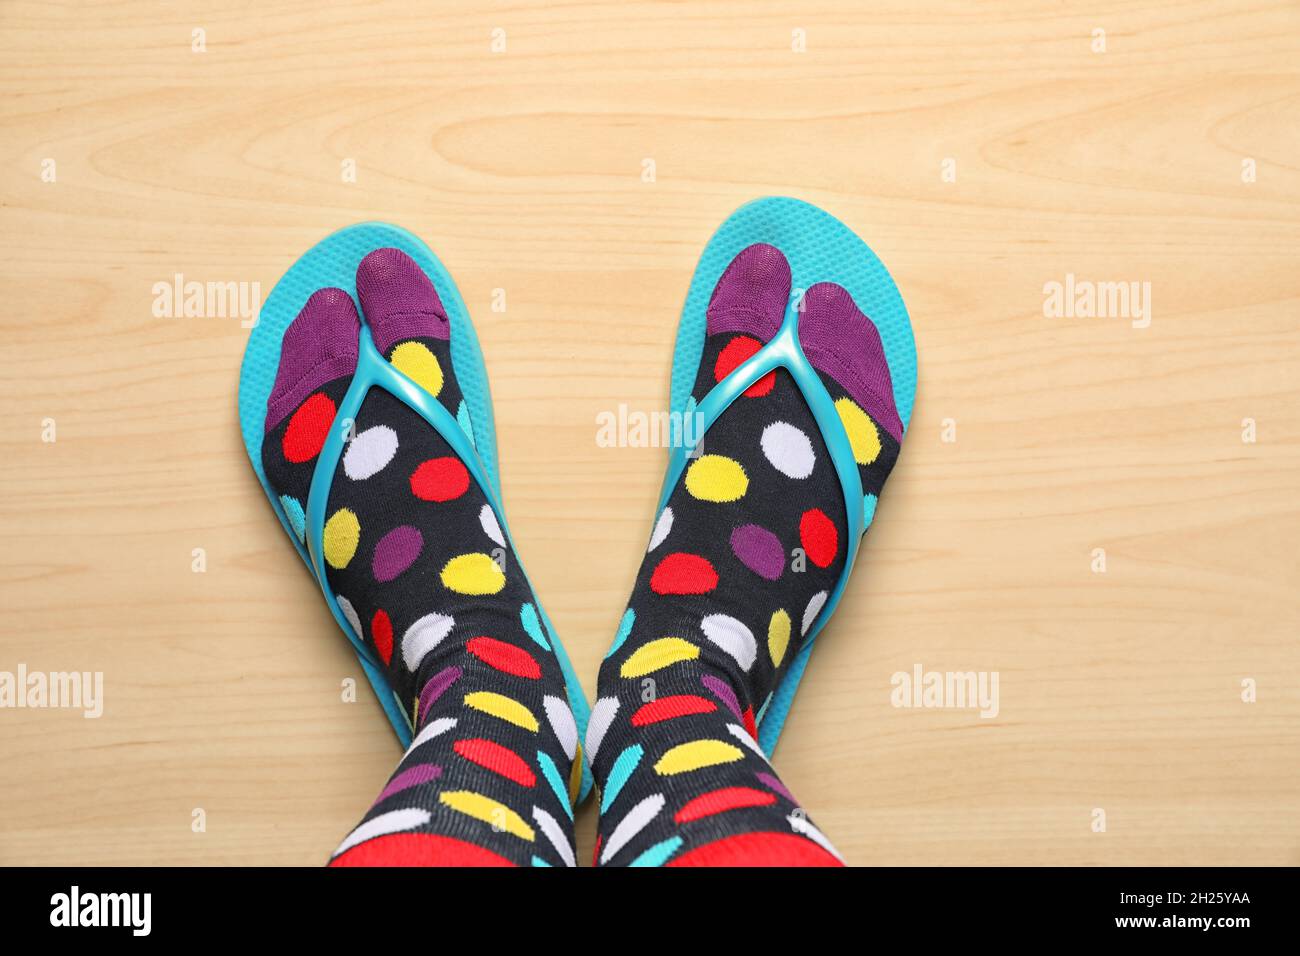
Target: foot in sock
720 607
417 559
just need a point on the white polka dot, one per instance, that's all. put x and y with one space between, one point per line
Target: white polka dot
491 527
350 613
602 715
561 718
423 636
394 821
555 833
812 610
788 449
733 637
434 728
369 452
662 527
801 824
636 820
741 734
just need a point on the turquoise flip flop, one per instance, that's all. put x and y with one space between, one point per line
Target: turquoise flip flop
819 248
333 262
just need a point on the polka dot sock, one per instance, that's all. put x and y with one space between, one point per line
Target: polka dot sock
741 560
421 569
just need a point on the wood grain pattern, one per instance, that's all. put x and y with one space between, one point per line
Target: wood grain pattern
1119 691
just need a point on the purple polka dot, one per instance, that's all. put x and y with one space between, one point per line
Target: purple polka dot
721 690
772 783
759 550
396 551
435 687
407 779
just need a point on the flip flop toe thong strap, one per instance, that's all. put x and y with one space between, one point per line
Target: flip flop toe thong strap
373 371
784 351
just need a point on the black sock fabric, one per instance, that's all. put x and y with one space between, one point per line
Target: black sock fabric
419 564
741 560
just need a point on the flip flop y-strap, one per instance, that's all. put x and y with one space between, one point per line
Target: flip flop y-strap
374 371
782 351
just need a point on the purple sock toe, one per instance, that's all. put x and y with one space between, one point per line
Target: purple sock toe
398 300
752 294
319 346
844 344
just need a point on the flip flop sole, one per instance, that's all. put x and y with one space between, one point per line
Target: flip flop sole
333 262
819 248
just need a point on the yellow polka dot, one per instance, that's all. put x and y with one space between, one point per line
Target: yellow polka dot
473 574
490 811
657 655
502 707
864 439
778 636
342 532
697 754
716 478
575 776
416 362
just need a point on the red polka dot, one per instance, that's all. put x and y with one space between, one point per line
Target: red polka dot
818 536
749 722
758 849
440 479
418 849
668 708
734 354
381 632
492 756
681 573
595 854
308 428
720 801
506 658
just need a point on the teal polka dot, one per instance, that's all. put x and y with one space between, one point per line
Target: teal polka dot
688 431
619 773
659 854
624 629
402 709
552 775
297 520
533 625
868 511
462 419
